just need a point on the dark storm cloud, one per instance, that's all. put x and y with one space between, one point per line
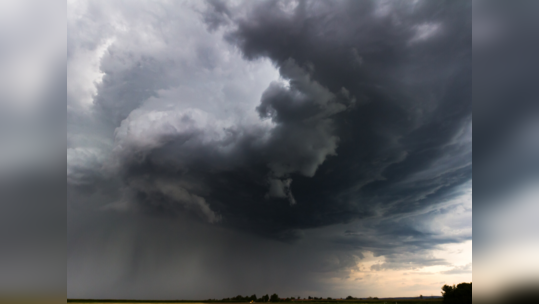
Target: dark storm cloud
376 115
363 141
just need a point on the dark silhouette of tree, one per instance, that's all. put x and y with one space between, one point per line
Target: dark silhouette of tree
240 298
253 298
274 298
462 293
349 298
421 296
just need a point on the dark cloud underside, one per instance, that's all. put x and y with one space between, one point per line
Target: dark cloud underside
376 115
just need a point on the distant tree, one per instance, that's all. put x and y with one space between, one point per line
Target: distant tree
349 298
421 296
274 298
253 298
375 298
330 298
310 298
462 293
239 298
265 298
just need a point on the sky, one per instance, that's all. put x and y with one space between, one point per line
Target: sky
306 148
206 149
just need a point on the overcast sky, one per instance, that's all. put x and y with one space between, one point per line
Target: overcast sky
307 148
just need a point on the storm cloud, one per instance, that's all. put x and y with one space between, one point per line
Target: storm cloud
270 145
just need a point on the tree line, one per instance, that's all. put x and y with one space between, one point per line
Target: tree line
461 293
275 298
